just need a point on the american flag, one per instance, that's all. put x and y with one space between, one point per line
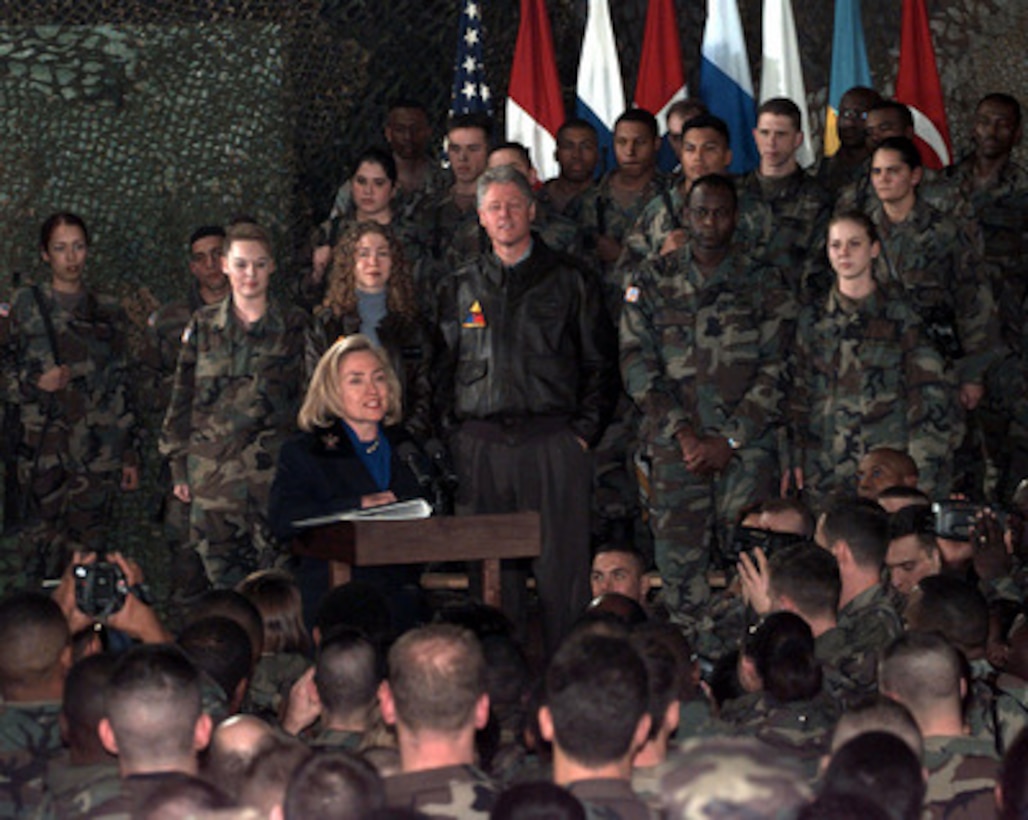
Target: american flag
470 90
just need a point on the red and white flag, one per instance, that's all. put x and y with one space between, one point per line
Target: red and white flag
918 86
661 80
535 108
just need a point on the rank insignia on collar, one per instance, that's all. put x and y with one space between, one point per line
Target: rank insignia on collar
330 440
474 316
631 294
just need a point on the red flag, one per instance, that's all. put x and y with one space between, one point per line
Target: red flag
918 86
535 108
661 79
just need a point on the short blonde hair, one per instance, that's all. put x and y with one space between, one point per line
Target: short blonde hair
321 406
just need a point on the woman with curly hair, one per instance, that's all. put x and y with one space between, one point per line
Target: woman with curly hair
371 291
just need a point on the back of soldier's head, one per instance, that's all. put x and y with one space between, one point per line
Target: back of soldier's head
896 498
879 714
863 525
954 608
673 639
153 703
663 675
922 671
732 777
234 743
356 604
333 784
881 766
182 797
263 784
346 674
436 676
33 642
783 650
228 603
539 800
596 692
220 647
83 705
809 577
1013 779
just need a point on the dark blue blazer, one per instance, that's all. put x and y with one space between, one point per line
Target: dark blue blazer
319 473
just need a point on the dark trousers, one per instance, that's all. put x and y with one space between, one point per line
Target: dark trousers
503 470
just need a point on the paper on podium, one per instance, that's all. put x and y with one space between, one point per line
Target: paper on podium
400 511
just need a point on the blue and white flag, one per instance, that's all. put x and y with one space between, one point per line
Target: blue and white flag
600 95
470 90
725 84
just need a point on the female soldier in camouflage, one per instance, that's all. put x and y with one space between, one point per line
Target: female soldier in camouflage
67 350
864 375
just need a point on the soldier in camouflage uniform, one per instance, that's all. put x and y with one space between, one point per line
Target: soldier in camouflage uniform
438 218
995 189
923 672
661 226
237 390
702 335
799 205
165 326
621 195
733 777
577 154
861 375
408 134
938 265
35 654
849 163
884 119
856 532
68 372
437 685
790 711
86 774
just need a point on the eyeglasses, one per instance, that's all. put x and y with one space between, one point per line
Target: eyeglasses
852 114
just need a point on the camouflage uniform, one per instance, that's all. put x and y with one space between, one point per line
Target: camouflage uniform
75 441
663 214
608 794
336 740
274 674
862 375
572 210
437 220
603 215
940 268
30 738
997 708
801 729
237 390
849 652
74 790
833 176
962 774
165 327
1001 212
447 793
704 353
733 777
800 208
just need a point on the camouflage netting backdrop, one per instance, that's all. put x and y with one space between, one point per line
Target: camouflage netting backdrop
149 117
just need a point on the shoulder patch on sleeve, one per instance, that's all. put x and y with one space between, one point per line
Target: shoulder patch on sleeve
632 294
187 333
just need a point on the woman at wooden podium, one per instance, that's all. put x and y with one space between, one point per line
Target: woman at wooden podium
351 454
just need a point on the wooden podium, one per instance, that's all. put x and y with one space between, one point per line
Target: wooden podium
485 538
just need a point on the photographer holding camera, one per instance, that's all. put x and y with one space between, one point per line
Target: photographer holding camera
110 593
